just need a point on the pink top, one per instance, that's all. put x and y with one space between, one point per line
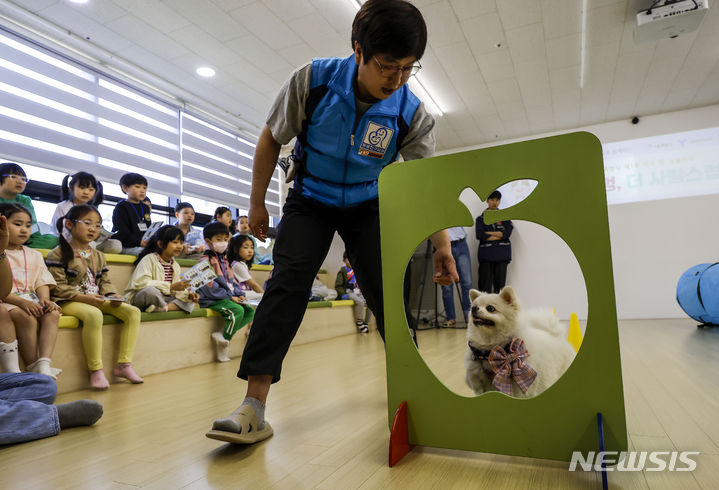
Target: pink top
29 271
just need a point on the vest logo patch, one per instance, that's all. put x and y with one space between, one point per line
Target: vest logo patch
375 141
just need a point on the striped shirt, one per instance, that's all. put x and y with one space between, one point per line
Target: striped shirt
167 266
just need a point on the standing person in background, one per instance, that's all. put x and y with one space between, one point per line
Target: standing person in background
352 116
13 181
460 252
83 188
131 217
495 251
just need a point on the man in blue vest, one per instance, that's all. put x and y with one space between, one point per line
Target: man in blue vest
351 117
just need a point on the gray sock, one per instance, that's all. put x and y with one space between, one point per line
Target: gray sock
79 412
230 424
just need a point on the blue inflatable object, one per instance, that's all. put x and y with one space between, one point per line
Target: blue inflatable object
698 293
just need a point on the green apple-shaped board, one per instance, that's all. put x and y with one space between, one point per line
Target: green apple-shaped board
421 197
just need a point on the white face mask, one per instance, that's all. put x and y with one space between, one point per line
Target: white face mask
219 247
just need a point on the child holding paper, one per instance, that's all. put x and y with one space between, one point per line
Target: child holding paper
155 284
224 294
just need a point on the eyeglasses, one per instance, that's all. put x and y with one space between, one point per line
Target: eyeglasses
390 71
17 177
89 224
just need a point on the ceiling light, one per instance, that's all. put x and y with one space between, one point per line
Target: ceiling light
205 71
356 4
79 1
420 91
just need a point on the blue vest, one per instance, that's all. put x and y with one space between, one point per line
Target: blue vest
341 162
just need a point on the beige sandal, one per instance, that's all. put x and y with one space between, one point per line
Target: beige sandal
246 417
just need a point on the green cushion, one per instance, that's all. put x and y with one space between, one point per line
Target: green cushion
160 316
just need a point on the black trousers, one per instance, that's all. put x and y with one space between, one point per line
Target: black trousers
304 236
492 274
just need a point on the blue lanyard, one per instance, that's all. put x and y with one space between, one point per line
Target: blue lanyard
140 215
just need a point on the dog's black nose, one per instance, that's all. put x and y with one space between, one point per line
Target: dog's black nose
475 310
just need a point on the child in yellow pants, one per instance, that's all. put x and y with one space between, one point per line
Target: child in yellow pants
84 290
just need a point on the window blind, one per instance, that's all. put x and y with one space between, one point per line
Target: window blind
58 114
218 163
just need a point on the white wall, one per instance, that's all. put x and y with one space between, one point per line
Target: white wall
653 242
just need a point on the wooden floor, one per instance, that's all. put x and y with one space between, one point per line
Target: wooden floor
329 415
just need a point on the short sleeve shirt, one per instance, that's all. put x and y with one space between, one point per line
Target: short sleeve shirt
29 271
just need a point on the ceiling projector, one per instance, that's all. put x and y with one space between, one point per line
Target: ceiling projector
669 19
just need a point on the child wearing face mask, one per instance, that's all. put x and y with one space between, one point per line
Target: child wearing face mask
83 188
224 294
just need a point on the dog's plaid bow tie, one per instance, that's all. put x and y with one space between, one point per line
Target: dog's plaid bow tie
508 367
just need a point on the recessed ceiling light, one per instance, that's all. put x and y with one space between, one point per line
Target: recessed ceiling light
79 1
205 71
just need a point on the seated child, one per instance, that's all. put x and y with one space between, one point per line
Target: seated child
224 216
320 292
224 294
9 360
84 291
263 255
347 288
12 183
155 284
239 254
194 242
84 188
34 315
131 216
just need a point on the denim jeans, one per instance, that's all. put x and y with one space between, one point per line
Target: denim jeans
460 252
26 410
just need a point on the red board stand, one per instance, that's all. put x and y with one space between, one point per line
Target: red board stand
399 444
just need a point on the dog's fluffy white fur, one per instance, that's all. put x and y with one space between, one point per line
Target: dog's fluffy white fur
496 319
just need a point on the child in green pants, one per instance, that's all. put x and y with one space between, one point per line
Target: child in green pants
224 294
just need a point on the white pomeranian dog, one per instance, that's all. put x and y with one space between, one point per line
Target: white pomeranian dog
496 320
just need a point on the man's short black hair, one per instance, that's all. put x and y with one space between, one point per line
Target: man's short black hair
182 205
132 179
345 255
393 27
495 195
10 169
215 228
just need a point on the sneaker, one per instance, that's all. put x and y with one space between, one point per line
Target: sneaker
363 328
448 323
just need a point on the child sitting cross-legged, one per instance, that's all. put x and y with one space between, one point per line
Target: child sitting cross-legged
84 291
224 294
35 316
155 284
